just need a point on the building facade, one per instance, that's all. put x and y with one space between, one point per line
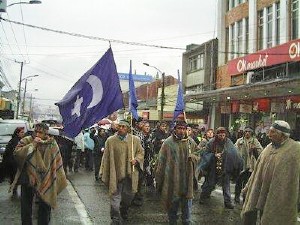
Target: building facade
199 66
149 99
258 75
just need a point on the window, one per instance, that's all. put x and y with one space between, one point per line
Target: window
227 5
227 55
232 4
260 31
195 89
294 19
247 35
197 62
239 38
232 42
269 26
277 23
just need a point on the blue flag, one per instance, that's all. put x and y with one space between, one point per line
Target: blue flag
132 96
94 96
179 108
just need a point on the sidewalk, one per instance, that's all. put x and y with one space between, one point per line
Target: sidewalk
10 210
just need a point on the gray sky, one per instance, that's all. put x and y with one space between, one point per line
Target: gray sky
60 60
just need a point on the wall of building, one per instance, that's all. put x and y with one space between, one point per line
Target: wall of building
258 100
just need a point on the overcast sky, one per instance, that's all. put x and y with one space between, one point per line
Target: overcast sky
60 60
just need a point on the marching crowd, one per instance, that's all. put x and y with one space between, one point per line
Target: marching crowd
133 158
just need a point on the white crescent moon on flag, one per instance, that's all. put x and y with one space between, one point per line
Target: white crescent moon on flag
97 89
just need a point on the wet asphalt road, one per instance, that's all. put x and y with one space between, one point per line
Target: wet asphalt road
86 202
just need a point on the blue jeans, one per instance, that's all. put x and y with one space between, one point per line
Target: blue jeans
210 183
186 210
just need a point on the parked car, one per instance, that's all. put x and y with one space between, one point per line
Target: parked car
7 128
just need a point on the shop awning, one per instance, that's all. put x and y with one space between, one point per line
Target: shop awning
276 88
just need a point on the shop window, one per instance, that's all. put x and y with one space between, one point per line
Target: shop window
294 68
268 74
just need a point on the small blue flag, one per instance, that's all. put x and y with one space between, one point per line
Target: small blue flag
132 96
94 96
179 108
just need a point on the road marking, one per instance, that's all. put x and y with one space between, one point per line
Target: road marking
80 207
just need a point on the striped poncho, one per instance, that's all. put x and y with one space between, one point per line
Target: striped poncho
44 167
175 170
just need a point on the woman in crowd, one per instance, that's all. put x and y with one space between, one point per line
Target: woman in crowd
10 166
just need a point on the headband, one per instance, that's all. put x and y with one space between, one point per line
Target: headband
281 128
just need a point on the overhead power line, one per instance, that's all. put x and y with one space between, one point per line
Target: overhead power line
91 37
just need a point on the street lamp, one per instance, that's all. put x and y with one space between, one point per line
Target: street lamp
162 90
4 5
24 96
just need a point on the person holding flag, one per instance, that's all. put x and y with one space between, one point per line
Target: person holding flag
123 158
138 198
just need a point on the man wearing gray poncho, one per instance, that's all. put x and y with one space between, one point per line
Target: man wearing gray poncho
273 188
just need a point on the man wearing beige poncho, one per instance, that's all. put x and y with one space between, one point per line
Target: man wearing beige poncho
273 189
122 160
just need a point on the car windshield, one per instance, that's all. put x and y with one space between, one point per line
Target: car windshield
9 128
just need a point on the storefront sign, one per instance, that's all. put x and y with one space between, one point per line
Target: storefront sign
292 104
246 108
235 107
277 107
261 105
287 52
145 115
225 109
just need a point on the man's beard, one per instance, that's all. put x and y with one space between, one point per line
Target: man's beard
179 136
220 141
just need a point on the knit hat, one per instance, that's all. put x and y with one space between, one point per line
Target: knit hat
181 124
124 122
42 127
248 129
53 132
282 126
221 130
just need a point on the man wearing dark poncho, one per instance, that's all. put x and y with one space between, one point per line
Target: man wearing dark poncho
174 174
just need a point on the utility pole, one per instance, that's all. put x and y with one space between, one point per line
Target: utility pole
24 96
162 103
19 91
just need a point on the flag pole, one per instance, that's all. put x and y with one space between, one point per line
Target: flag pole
132 154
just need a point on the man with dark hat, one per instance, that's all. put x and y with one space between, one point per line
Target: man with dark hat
122 160
249 149
272 192
219 162
175 172
160 135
